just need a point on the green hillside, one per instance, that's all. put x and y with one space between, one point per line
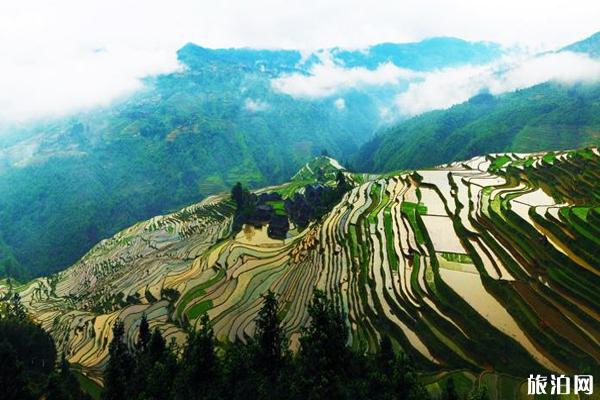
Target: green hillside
549 116
68 182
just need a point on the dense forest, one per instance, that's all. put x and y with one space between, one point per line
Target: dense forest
316 200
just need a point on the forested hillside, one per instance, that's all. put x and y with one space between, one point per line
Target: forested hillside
549 116
69 182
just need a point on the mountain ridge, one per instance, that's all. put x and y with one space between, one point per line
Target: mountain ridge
548 116
186 135
589 45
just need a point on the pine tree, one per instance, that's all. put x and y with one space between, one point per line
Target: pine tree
392 376
271 347
324 358
450 390
63 385
16 310
160 368
342 183
242 380
157 347
119 372
142 362
12 379
237 194
269 335
200 368
144 334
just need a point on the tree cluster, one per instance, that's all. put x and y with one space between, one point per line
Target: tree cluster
324 367
262 367
316 201
28 359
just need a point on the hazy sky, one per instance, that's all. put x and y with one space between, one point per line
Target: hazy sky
62 55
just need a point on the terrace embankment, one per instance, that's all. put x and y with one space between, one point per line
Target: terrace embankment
492 264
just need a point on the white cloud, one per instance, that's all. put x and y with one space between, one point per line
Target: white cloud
255 105
565 67
441 89
76 80
387 114
444 88
340 103
49 65
328 78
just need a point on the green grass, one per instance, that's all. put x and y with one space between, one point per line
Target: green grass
87 385
581 212
290 189
549 158
389 236
499 162
411 210
407 207
198 309
457 257
278 206
199 291
375 192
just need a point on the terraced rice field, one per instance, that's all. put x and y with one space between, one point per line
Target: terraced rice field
490 266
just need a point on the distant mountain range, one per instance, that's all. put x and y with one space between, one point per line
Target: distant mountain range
591 46
549 116
69 182
66 183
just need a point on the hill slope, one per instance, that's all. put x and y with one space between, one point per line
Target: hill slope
590 45
67 183
485 265
549 116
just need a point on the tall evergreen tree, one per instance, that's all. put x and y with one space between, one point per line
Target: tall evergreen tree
450 390
144 333
342 183
16 309
159 368
119 372
142 363
271 358
237 194
392 376
63 385
269 335
200 373
242 380
13 382
324 357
